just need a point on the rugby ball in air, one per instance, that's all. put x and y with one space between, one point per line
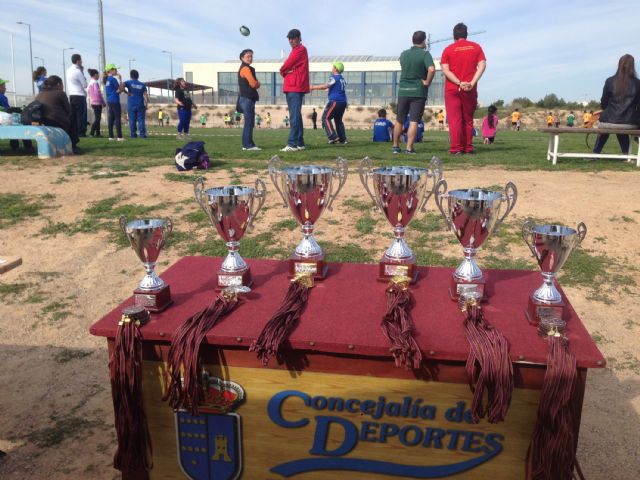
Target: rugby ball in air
245 31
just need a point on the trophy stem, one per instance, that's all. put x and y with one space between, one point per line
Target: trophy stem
468 270
548 293
308 247
233 262
399 249
151 280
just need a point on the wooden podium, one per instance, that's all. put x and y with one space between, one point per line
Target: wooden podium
338 407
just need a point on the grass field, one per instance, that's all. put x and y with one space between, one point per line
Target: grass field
512 150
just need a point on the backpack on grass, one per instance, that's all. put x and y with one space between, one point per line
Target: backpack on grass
192 155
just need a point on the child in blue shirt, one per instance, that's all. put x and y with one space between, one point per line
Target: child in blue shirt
382 128
419 133
334 110
137 104
113 88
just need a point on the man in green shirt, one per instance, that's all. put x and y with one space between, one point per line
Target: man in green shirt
571 118
417 71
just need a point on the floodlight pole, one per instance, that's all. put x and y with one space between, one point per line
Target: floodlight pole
33 89
131 60
41 59
64 68
13 75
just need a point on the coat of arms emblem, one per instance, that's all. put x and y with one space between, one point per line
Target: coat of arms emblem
209 445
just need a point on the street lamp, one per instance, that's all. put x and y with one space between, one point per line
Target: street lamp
171 58
64 67
131 60
33 89
41 59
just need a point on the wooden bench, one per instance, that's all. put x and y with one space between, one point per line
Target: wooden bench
52 142
554 143
9 263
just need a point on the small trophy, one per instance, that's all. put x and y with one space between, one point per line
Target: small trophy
147 238
231 211
307 190
472 214
551 245
399 192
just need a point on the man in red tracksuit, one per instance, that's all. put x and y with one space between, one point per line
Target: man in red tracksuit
463 63
295 71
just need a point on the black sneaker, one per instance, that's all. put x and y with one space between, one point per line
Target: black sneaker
410 152
396 150
77 151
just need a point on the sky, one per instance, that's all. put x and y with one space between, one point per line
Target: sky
564 47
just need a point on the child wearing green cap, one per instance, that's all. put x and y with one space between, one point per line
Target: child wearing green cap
334 110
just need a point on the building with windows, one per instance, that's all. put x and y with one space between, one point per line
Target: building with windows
370 80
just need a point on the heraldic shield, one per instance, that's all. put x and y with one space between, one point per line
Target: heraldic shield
209 445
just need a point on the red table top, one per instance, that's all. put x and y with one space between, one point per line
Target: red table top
344 311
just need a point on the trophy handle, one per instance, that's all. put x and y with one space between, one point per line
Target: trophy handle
527 230
440 191
261 195
198 190
582 231
169 226
123 223
366 171
434 170
510 196
274 174
341 171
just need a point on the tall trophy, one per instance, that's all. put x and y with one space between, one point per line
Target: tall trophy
308 190
399 192
231 211
473 214
551 245
147 238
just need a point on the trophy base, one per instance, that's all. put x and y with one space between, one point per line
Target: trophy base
459 286
153 301
537 310
236 279
387 269
314 266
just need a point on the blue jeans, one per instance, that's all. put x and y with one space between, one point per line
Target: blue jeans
136 118
602 138
296 135
184 119
249 110
333 112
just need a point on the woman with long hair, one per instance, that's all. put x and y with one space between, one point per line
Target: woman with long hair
620 104
56 109
39 76
490 125
184 104
96 100
113 88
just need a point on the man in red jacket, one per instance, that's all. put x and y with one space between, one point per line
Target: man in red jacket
295 71
463 64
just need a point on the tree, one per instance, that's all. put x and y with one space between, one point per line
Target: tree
521 102
498 103
551 100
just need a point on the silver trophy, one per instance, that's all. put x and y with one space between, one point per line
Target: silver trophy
147 238
399 192
473 214
551 245
308 190
231 211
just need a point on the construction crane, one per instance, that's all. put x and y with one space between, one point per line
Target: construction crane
448 39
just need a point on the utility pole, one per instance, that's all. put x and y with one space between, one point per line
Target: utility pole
41 59
13 75
64 68
131 60
33 89
171 60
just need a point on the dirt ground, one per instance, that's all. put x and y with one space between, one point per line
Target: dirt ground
56 419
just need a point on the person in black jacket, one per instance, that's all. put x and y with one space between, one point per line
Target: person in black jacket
620 104
248 85
56 109
185 104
